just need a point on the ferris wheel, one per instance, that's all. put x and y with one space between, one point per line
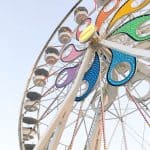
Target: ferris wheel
89 88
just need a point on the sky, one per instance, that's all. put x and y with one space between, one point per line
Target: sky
24 28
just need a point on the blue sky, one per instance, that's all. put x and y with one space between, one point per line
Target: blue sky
24 28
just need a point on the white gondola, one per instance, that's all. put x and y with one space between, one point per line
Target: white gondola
64 35
31 106
28 133
32 102
80 15
40 77
51 55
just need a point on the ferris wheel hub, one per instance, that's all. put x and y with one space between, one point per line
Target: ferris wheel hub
94 43
87 33
90 34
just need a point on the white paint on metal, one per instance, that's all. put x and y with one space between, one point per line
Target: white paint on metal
126 49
